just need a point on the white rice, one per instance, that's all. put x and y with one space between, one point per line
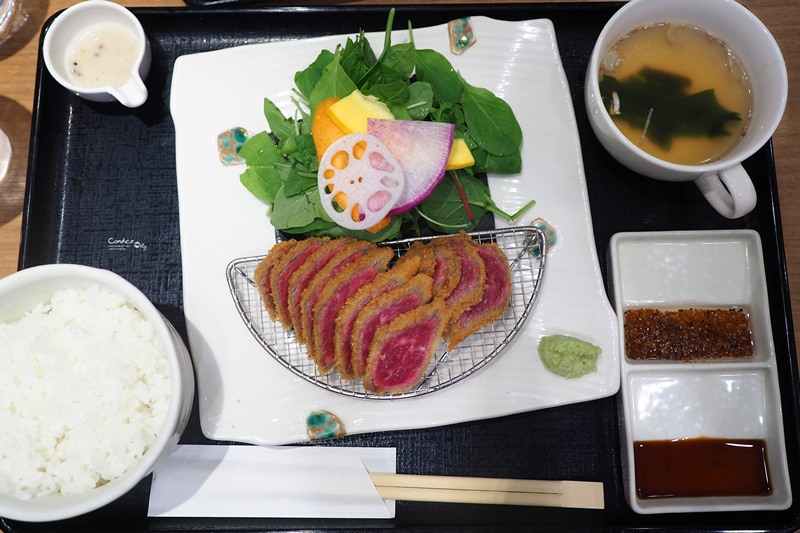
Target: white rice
84 390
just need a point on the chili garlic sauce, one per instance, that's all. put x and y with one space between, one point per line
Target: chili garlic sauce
695 54
103 55
701 467
687 334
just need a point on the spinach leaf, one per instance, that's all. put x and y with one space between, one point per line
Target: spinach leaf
395 91
280 126
262 187
490 121
364 81
334 82
261 178
392 231
358 57
398 63
294 211
419 100
299 184
260 150
434 68
317 228
301 149
308 78
658 104
479 194
398 110
325 227
321 223
304 120
394 95
444 209
495 164
452 113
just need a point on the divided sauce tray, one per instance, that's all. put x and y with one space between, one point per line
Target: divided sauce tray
677 400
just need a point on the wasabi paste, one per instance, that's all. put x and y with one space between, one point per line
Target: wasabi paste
567 356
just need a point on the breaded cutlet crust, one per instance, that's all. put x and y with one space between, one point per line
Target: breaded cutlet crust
447 271
282 270
422 253
306 272
261 274
465 294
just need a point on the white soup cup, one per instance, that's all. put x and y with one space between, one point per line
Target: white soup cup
724 183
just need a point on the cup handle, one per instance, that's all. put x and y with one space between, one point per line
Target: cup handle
730 192
132 94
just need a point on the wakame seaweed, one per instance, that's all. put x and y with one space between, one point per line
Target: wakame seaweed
659 102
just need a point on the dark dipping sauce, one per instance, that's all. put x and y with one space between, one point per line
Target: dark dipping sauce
701 467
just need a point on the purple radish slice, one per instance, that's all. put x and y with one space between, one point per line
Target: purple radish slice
422 148
359 181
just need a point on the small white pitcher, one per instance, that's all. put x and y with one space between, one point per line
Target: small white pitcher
77 19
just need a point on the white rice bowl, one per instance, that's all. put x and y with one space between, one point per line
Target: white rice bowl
96 386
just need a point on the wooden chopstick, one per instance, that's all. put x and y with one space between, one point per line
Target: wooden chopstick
498 491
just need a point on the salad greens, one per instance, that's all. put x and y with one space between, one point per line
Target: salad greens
416 85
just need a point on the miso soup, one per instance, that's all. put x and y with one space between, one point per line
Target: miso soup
677 92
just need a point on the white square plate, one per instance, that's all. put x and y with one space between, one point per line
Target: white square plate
247 396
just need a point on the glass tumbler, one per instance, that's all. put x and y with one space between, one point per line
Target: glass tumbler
5 154
12 16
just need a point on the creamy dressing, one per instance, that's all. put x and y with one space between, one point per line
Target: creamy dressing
102 55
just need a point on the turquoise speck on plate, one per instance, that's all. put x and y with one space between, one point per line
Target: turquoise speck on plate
324 425
229 143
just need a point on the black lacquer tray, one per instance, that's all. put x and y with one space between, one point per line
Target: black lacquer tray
102 191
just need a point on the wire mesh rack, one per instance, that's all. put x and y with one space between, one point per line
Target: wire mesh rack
526 251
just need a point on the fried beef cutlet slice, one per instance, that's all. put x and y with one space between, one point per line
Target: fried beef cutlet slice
422 253
349 253
261 274
446 271
472 279
441 263
306 272
382 310
282 271
402 349
384 282
494 301
332 299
